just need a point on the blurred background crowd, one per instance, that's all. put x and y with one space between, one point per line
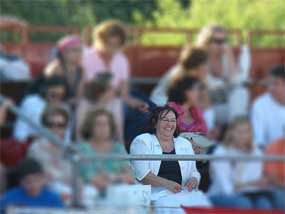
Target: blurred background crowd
97 95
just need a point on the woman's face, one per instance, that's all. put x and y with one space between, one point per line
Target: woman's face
217 43
102 128
166 125
73 55
58 125
192 95
242 135
203 71
55 94
113 44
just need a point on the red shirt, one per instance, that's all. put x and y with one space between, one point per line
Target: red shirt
12 151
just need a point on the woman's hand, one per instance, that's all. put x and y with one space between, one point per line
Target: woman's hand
173 186
101 181
191 184
139 105
125 178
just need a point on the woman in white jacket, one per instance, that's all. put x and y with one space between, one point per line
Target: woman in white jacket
174 183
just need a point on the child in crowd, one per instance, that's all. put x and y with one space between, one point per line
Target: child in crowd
32 191
239 183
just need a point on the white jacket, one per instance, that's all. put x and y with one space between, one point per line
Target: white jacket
148 144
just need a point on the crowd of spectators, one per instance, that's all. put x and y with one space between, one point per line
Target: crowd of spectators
200 106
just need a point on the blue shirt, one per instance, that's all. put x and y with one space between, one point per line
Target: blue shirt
18 197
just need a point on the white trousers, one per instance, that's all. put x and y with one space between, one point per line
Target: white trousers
172 202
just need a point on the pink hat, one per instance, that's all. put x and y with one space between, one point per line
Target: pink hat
68 42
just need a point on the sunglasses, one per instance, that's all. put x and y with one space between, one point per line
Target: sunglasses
56 125
219 41
54 95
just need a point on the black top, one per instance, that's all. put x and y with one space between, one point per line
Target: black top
170 170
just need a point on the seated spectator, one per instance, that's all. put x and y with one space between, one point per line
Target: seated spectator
99 94
192 60
174 183
276 172
2 179
106 55
11 150
13 67
99 131
228 96
68 63
183 96
32 191
240 183
52 91
268 110
51 157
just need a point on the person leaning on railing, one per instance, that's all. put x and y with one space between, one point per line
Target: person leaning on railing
173 183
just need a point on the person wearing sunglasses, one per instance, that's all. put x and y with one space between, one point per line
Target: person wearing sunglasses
50 90
55 118
228 96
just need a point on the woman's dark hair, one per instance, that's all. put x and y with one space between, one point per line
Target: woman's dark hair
192 57
176 92
89 121
52 110
42 83
278 71
96 87
157 114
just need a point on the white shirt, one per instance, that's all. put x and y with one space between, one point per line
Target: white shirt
32 106
225 175
268 119
221 173
148 144
159 93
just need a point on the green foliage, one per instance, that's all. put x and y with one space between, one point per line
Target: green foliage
242 14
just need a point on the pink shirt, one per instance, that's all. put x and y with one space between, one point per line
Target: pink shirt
94 64
198 125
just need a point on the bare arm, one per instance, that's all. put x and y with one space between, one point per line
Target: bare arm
131 101
154 180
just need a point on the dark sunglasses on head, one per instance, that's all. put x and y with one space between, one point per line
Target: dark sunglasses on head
218 41
56 125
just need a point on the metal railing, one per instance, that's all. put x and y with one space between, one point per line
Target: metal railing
76 158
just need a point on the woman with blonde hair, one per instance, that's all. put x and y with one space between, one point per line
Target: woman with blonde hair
106 55
224 75
239 183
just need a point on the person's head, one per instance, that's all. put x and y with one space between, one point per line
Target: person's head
31 176
56 119
110 36
239 134
276 83
163 122
99 125
70 49
194 60
100 88
54 89
184 90
212 37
